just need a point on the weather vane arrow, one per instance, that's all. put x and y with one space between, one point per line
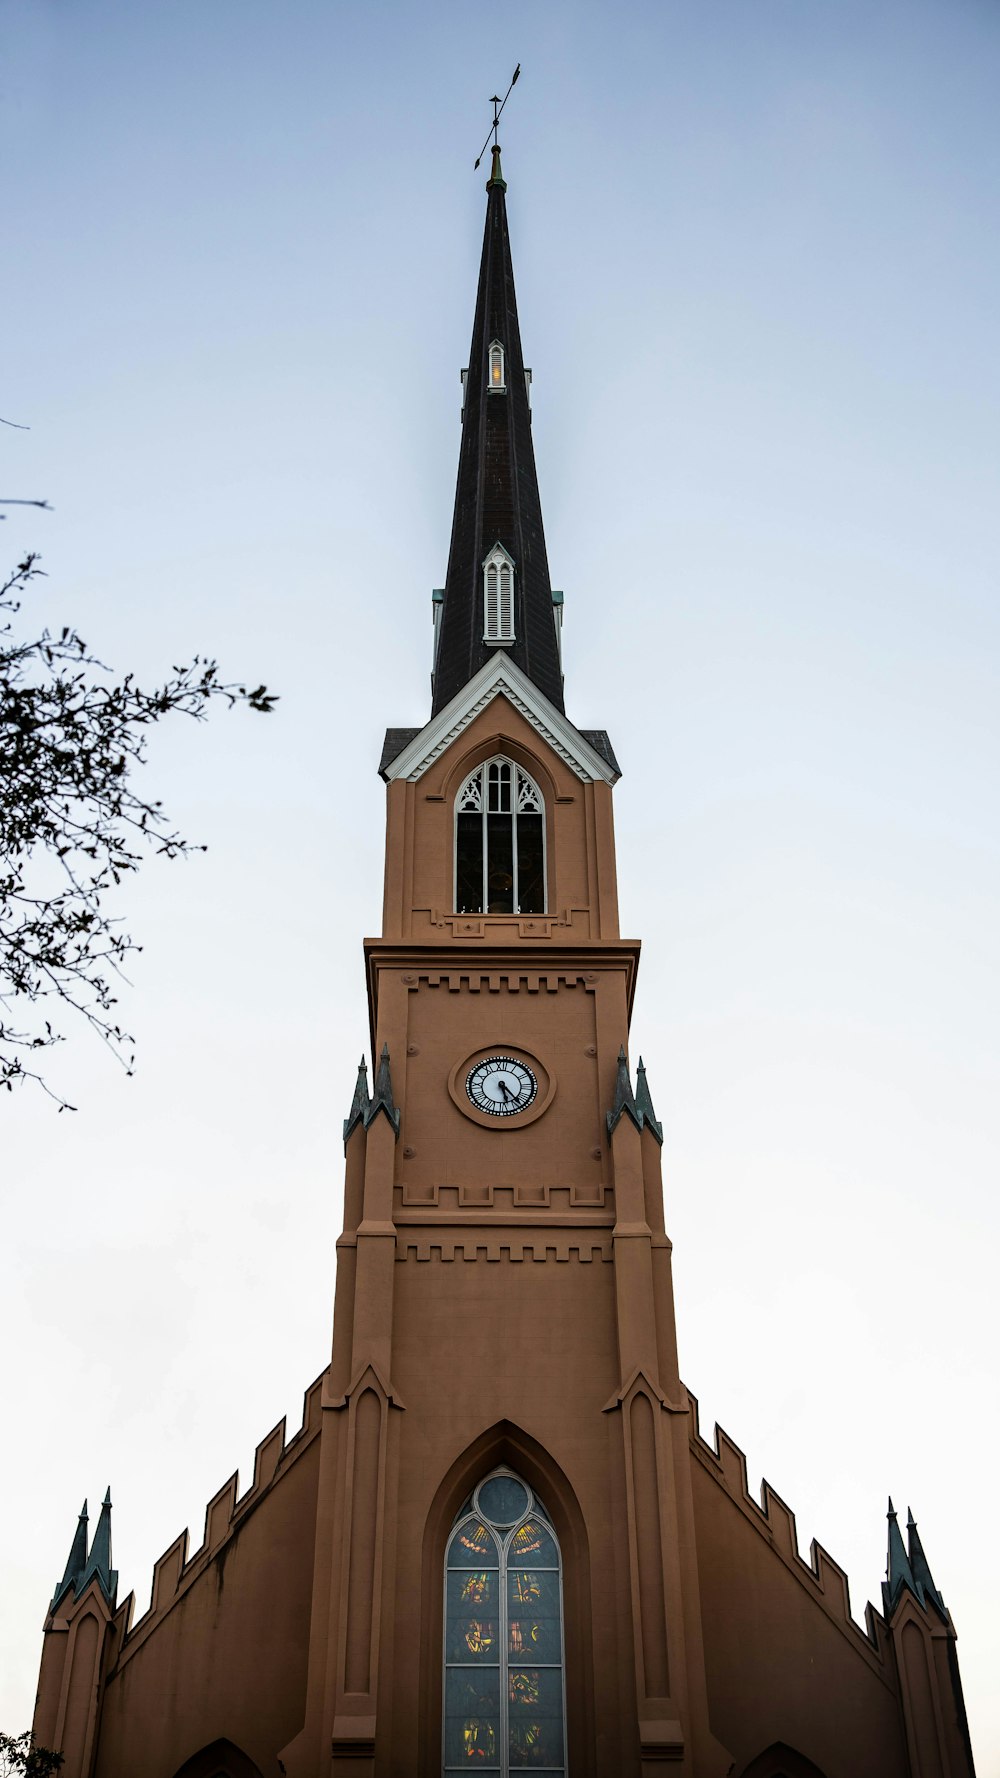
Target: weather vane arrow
498 105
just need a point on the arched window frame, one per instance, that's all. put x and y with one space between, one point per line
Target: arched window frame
496 374
474 798
221 1760
505 1533
498 597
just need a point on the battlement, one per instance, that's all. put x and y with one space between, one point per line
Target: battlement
821 1576
225 1513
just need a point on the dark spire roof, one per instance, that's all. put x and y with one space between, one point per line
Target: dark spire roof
921 1567
382 1099
898 1573
99 1561
360 1103
644 1103
496 500
81 1569
624 1100
76 1562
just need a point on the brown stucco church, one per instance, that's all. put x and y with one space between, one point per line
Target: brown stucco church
531 1560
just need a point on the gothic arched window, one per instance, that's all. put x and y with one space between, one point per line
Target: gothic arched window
498 596
504 1691
499 841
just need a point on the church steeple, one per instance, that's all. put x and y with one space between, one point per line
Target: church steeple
497 593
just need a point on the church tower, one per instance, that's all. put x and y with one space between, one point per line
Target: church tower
499 1542
504 1355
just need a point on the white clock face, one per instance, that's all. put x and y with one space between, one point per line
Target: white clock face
502 1086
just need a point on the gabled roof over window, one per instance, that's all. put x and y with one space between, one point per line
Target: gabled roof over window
589 754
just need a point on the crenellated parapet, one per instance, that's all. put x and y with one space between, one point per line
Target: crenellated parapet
176 1571
774 1521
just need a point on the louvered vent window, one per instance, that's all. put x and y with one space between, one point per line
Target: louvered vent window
498 596
497 380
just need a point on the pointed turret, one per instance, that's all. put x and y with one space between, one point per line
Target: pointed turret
382 1099
898 1573
644 1103
497 501
99 1561
920 1568
624 1102
358 1113
76 1562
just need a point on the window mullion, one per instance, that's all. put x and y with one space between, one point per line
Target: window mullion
513 842
504 1681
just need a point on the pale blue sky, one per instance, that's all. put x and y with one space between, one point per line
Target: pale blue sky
758 274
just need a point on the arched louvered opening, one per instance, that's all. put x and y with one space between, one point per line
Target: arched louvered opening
497 376
499 841
504 1675
498 596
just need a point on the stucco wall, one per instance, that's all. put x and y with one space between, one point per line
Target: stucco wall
779 1667
229 1658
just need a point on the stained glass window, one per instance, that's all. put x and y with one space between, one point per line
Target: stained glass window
504 1692
499 842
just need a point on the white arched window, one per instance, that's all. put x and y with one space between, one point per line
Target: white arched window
499 841
504 1690
497 383
498 596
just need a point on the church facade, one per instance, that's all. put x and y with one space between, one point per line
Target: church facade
532 1560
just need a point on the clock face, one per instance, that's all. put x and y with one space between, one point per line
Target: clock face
502 1086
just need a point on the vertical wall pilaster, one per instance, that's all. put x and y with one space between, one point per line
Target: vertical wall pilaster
70 1681
342 1707
670 1681
657 1627
931 1694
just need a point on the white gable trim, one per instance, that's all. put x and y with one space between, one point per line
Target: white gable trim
501 677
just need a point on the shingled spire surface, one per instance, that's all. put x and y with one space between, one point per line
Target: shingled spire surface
76 1563
99 1561
497 499
898 1573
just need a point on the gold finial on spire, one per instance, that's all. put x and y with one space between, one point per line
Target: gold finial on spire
496 177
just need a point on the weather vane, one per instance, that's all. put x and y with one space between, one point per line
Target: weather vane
498 105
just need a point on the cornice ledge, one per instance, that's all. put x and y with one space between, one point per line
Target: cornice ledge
501 676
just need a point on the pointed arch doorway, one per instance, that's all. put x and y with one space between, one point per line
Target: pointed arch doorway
220 1760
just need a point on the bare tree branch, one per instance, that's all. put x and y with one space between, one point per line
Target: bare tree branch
73 826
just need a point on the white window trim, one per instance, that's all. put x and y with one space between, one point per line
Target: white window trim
501 387
498 560
497 759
